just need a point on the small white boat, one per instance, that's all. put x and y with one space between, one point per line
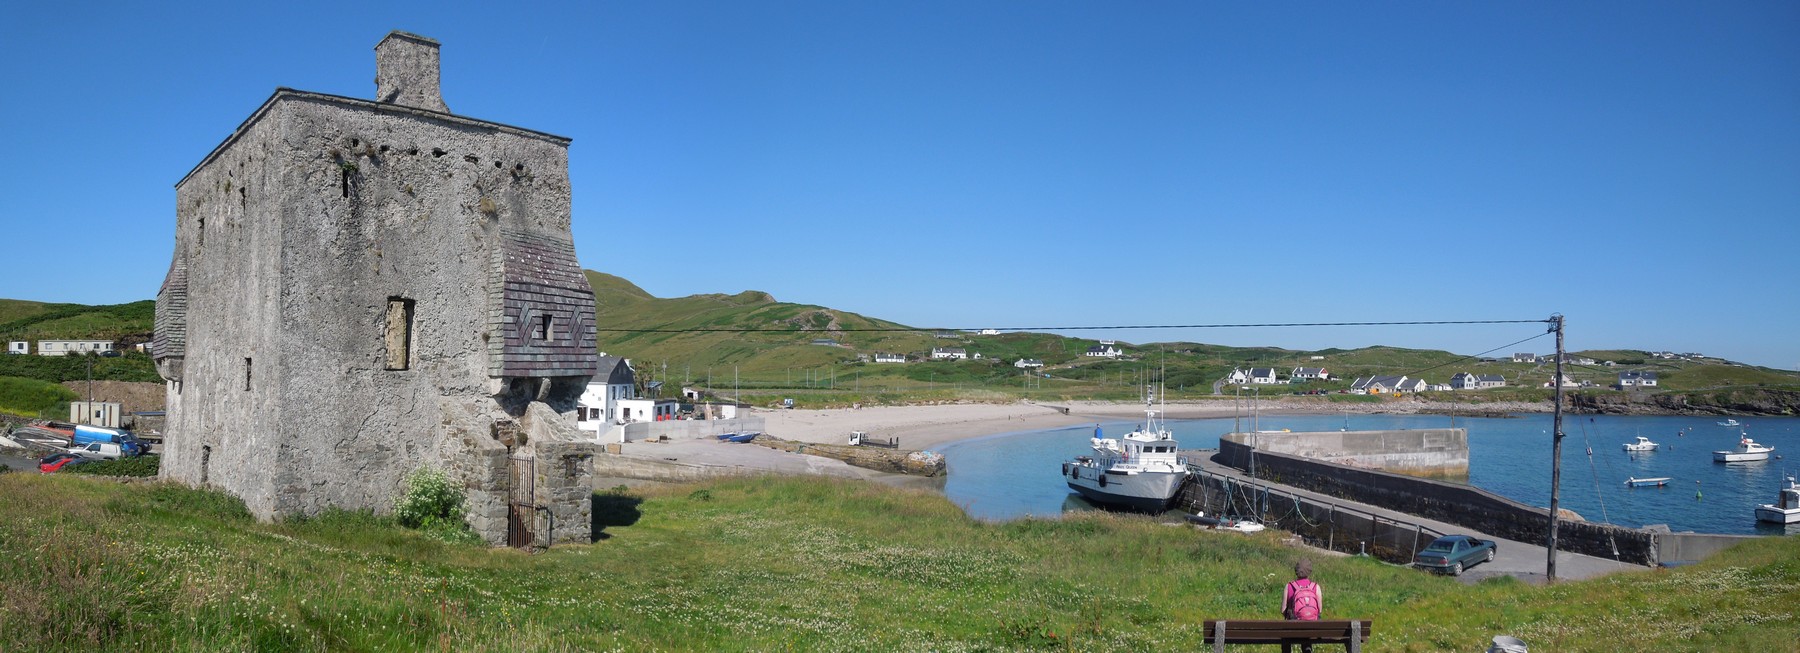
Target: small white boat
1748 451
1647 482
1786 509
1730 423
1642 444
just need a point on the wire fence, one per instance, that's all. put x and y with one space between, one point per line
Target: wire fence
1322 524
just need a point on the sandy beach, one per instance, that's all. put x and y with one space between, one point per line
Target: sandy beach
930 427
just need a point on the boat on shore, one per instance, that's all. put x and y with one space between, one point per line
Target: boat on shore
739 437
1642 444
1786 509
1748 451
1141 471
1647 482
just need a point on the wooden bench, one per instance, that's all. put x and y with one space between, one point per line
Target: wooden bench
1350 633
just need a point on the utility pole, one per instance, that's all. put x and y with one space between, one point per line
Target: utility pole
1556 437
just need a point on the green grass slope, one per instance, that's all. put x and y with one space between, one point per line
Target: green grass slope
34 398
757 564
25 320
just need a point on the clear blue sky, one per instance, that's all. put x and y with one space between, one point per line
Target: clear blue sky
1633 165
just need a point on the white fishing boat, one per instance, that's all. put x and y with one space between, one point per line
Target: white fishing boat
1730 424
1748 451
1647 482
1642 444
1786 509
1141 471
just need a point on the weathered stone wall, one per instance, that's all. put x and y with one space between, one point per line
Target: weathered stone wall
1415 452
318 213
1447 502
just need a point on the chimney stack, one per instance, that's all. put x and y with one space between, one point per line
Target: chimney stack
406 71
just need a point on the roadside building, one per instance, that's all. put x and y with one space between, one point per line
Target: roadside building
18 347
1263 375
1310 374
949 353
1237 376
1103 350
599 403
1028 363
890 358
67 347
1524 358
1387 384
97 413
1628 380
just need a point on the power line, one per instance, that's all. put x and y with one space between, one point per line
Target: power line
1082 328
1474 356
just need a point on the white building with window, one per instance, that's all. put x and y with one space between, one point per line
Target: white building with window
18 347
944 353
66 347
600 406
890 358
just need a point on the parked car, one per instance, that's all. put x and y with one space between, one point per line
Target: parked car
57 461
1452 554
103 451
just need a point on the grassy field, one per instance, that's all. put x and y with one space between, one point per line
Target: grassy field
27 320
778 564
34 398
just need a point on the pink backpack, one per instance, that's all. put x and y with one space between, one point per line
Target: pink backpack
1303 600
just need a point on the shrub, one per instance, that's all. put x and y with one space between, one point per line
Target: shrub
142 466
430 502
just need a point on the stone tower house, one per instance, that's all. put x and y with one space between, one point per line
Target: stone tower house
363 288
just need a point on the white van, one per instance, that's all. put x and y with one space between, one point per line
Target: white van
99 451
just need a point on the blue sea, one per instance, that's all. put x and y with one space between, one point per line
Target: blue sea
1013 475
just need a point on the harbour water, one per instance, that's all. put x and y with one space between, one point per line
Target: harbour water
1013 475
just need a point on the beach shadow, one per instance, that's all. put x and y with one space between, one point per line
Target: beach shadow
613 509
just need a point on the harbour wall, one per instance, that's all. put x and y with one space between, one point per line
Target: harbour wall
1453 503
1431 453
683 429
1321 523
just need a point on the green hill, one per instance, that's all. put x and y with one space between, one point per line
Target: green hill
27 320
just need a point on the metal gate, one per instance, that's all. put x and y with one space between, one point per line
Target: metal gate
521 508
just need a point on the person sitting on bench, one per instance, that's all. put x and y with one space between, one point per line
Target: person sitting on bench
1302 600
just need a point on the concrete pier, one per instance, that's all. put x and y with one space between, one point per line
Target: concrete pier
1429 453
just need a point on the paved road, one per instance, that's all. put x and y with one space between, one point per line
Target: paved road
1521 560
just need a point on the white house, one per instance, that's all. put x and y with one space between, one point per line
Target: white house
1237 376
1566 382
1262 375
890 358
18 347
66 347
942 353
1439 387
1376 385
1103 351
1028 363
1637 380
990 332
600 405
1525 358
1310 374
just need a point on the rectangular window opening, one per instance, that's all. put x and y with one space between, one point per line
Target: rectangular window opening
246 374
542 331
397 334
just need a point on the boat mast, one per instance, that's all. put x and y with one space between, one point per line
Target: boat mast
1556 437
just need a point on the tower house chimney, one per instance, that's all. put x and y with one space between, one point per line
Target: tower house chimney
406 71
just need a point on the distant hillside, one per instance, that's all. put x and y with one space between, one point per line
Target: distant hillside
25 320
787 363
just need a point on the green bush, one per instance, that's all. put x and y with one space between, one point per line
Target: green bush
431 501
142 466
34 397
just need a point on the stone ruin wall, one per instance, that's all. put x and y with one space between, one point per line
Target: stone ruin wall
318 213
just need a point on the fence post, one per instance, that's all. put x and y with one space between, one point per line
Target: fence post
1331 541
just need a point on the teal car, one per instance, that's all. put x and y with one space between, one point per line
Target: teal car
1452 554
